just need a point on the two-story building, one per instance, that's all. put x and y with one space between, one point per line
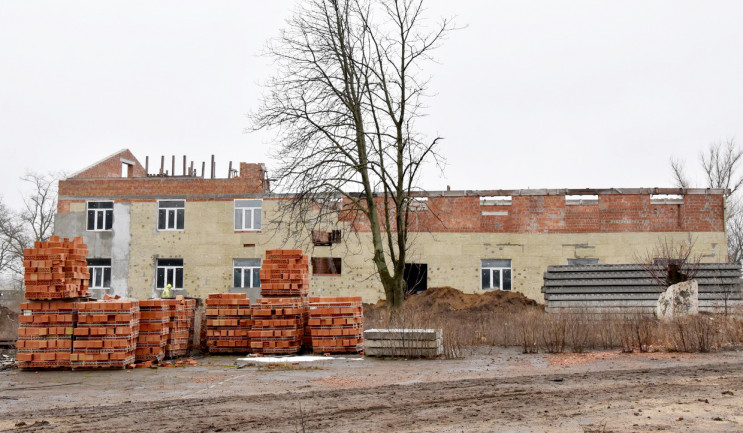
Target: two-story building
203 234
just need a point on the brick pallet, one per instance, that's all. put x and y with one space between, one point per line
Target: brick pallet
278 325
154 327
228 322
106 334
45 334
336 324
285 273
56 269
181 315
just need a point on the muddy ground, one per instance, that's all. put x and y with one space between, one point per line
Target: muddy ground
491 390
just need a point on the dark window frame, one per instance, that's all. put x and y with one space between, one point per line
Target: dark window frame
99 215
171 215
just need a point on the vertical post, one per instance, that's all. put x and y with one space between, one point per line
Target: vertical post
229 171
162 163
172 164
212 166
146 165
203 167
184 165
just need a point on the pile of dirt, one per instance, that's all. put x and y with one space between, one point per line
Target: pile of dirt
8 323
447 299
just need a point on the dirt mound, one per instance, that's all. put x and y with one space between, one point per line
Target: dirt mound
8 323
444 299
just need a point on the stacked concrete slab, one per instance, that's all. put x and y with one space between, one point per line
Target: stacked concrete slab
630 288
408 343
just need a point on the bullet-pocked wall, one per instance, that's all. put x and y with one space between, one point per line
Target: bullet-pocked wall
453 233
208 244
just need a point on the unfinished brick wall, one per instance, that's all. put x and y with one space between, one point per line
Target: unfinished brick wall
111 167
157 186
614 213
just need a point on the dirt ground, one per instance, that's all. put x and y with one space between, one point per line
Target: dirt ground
491 390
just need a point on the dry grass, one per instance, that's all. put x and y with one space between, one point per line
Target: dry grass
535 331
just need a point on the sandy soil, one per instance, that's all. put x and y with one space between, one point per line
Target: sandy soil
491 390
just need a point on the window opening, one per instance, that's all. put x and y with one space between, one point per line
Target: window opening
100 273
496 274
169 271
326 266
246 273
171 214
248 214
100 215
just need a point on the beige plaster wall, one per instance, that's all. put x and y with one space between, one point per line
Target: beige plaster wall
208 244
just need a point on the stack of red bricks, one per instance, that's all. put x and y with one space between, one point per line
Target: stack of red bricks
56 269
181 317
154 327
278 325
336 324
228 322
45 334
285 273
106 334
279 317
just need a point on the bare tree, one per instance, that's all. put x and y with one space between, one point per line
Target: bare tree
670 262
345 103
722 162
34 222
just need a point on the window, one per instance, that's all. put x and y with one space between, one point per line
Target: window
326 266
169 271
171 214
100 273
320 238
581 262
246 273
496 274
100 215
248 214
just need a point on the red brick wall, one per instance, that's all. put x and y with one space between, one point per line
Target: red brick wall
614 213
111 167
158 186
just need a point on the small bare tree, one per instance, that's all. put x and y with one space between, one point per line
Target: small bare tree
721 164
345 103
669 262
34 222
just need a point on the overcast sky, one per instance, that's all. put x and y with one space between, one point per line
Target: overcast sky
530 94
